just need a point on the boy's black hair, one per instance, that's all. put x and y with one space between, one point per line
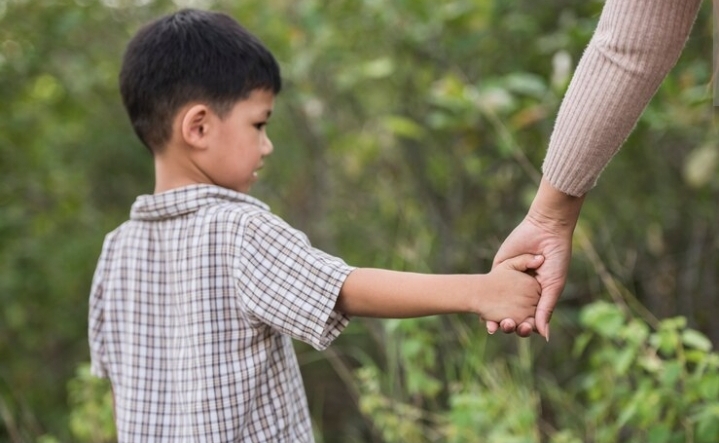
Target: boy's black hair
187 56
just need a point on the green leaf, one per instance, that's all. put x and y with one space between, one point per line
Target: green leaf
526 83
379 68
659 433
666 341
624 360
404 127
604 318
707 422
580 343
709 386
671 373
697 340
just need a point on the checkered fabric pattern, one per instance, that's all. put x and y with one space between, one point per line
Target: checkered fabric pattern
193 304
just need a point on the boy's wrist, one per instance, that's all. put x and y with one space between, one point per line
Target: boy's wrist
478 286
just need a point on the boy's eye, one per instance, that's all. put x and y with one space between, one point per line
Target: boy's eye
260 125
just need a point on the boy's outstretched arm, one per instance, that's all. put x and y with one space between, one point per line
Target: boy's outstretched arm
506 292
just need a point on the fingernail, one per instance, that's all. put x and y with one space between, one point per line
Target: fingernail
547 333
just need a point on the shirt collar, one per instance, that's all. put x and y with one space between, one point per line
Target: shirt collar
185 200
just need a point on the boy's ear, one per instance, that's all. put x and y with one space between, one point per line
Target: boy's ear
195 124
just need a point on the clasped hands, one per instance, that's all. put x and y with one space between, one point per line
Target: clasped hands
546 230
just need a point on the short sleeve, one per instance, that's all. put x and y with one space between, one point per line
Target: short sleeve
96 322
287 284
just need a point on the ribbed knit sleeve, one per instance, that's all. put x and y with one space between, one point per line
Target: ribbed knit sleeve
635 45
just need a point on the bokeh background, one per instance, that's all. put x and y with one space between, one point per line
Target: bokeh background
409 135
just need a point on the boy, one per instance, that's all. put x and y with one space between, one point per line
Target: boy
195 298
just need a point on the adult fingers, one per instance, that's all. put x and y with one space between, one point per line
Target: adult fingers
543 314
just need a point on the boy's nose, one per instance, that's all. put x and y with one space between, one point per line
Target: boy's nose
267 146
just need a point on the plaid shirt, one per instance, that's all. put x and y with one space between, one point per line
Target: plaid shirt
193 304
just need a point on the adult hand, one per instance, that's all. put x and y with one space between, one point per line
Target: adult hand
546 230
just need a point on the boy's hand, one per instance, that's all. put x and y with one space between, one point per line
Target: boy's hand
547 230
512 293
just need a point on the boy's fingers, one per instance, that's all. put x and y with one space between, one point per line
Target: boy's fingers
508 325
526 328
520 263
492 327
525 262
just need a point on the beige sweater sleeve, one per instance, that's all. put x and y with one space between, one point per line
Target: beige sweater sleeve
635 45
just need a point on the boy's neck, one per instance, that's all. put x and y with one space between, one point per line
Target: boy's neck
174 171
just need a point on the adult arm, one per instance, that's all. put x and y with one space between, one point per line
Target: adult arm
506 292
635 45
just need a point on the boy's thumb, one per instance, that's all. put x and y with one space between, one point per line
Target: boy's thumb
525 262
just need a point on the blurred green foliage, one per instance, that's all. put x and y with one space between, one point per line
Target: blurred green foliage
409 135
635 385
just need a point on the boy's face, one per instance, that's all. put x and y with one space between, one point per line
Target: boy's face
240 142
